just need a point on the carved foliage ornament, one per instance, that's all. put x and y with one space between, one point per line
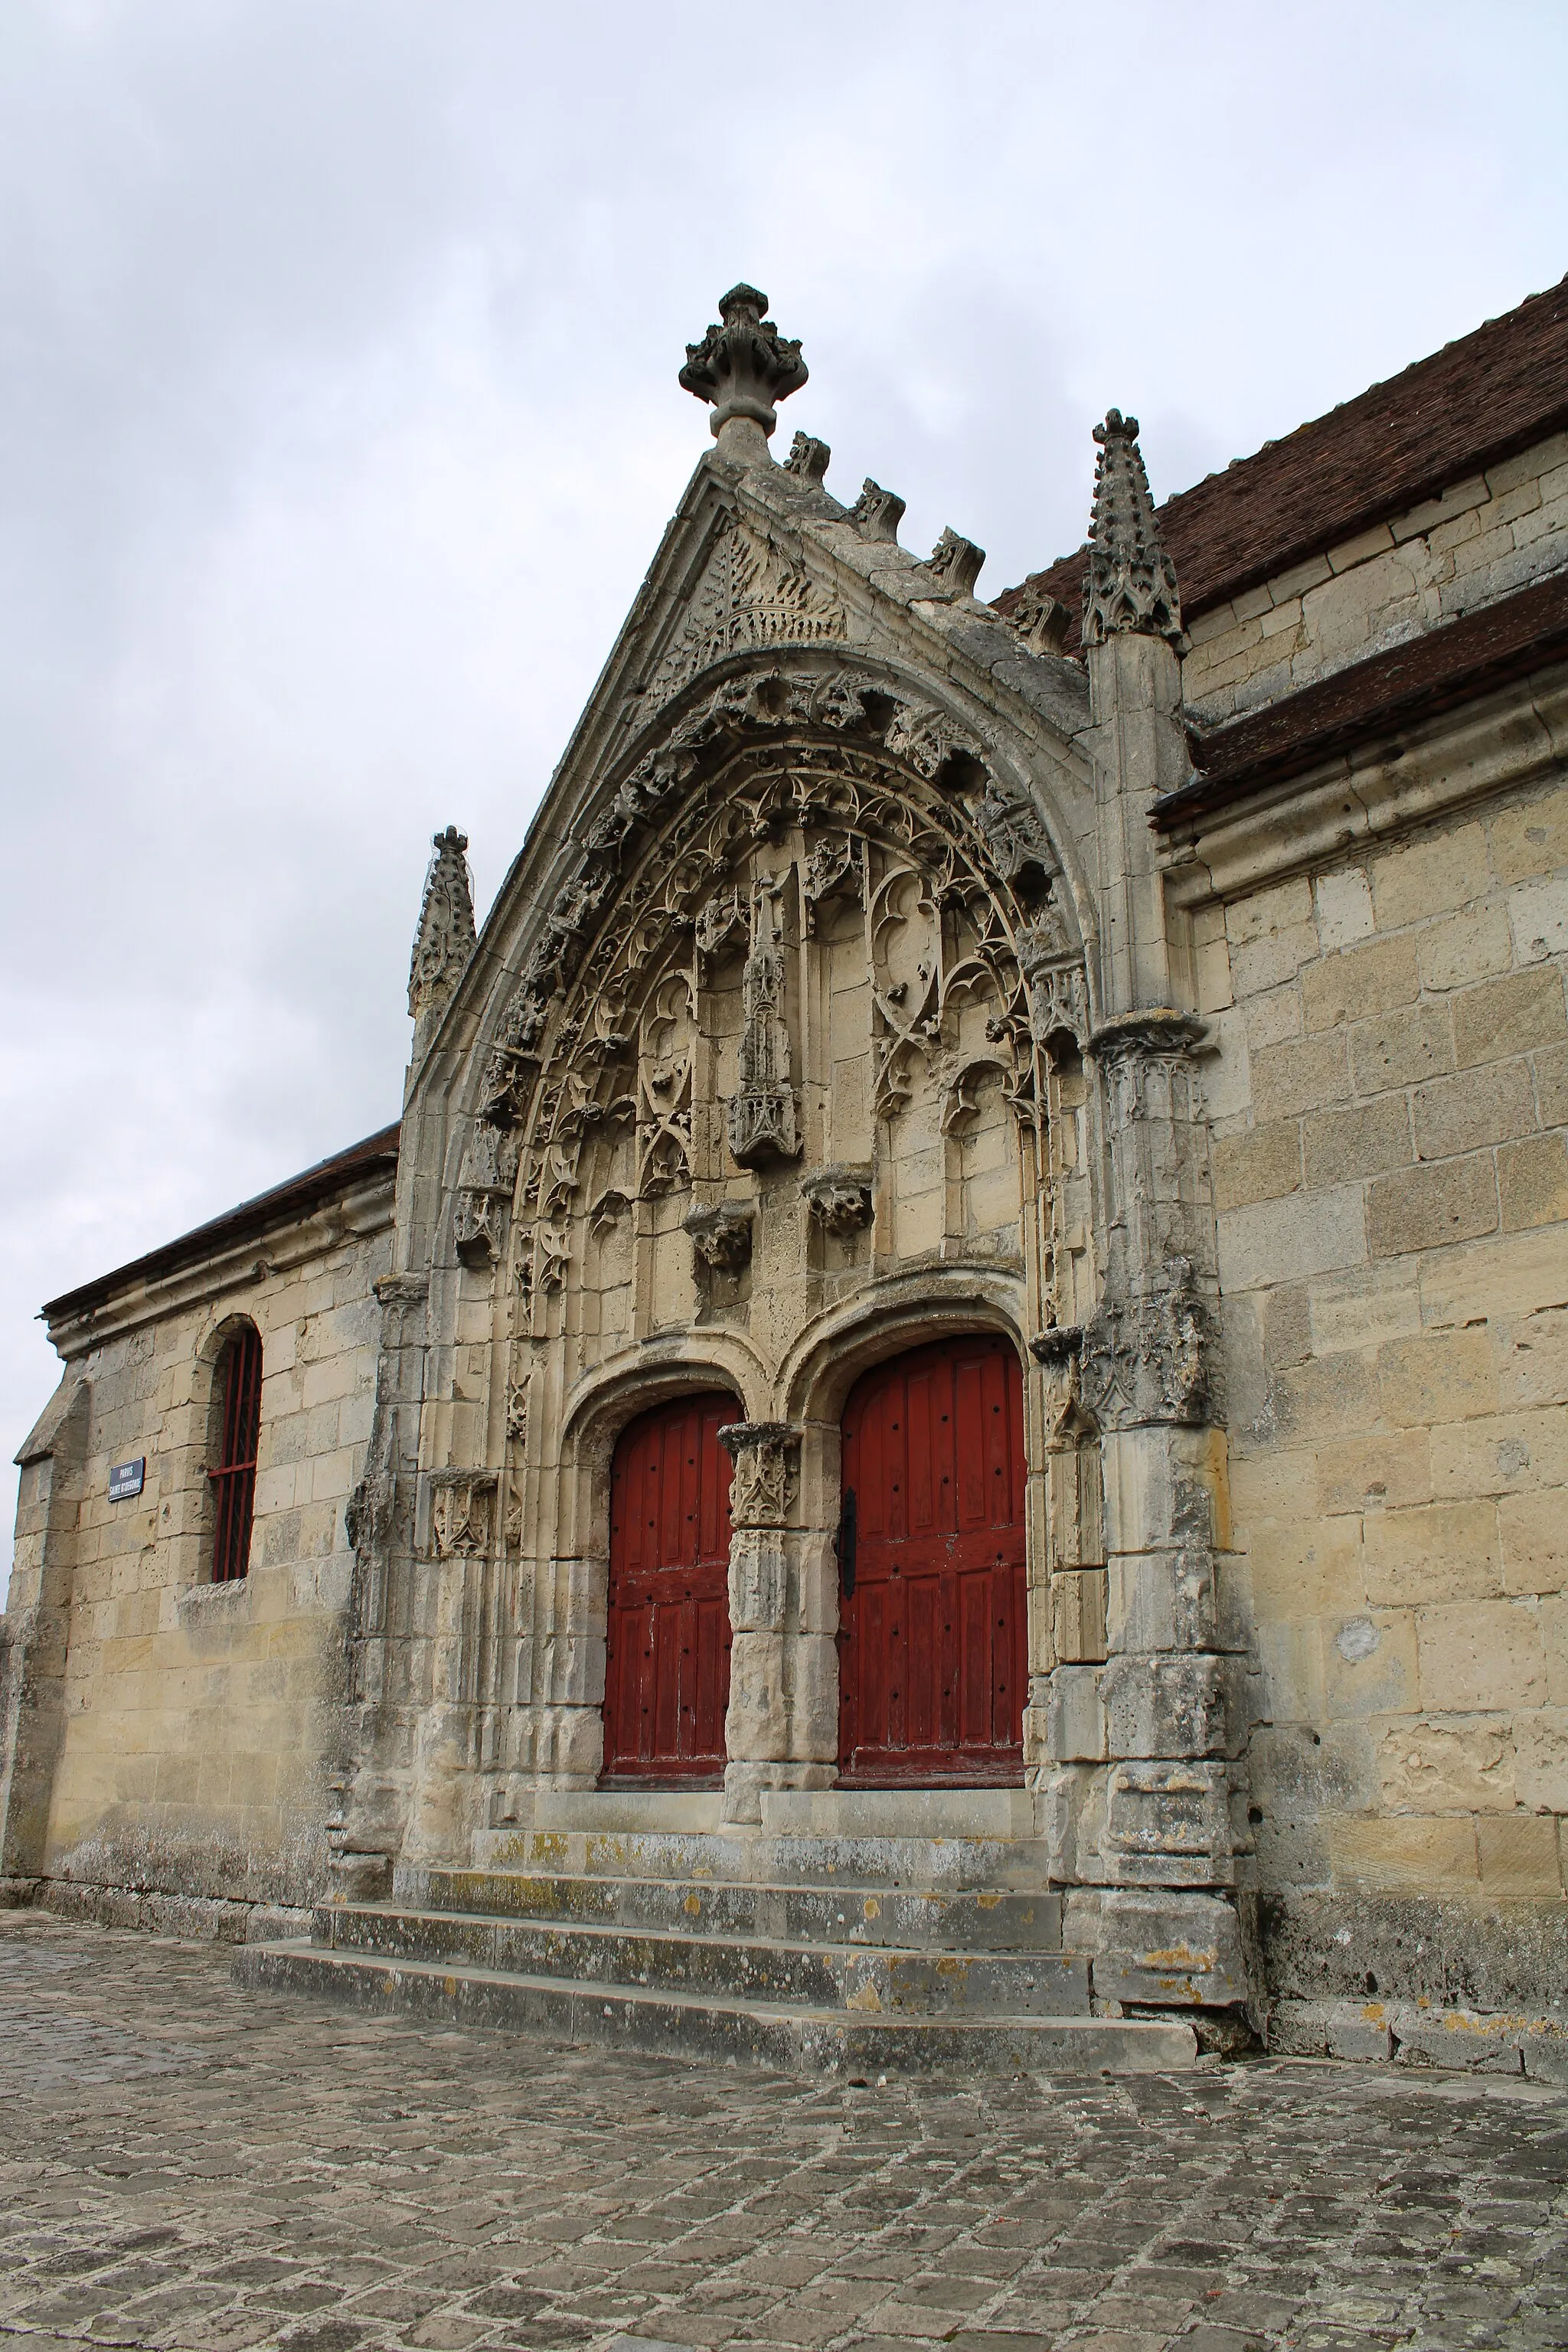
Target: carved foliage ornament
754 592
743 366
841 1200
722 1236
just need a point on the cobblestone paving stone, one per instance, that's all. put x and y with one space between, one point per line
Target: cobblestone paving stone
186 2165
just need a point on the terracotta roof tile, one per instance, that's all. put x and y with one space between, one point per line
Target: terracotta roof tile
1470 406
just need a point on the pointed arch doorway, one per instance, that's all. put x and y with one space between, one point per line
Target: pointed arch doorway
667 1674
931 1642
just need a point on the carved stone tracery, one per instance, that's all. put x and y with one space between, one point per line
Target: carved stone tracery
765 1454
462 1513
900 809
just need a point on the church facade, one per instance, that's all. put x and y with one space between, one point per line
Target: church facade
972 1294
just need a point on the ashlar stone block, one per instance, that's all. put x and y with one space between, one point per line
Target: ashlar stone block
1173 1705
1428 1207
1447 1764
1170 1824
1160 1600
1185 1949
1482 1654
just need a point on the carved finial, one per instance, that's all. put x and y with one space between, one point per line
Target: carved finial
743 367
877 513
444 939
956 561
1131 581
809 457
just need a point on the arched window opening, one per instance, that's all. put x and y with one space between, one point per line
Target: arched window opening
234 1476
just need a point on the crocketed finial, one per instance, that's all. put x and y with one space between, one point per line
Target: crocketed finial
1131 581
444 939
743 367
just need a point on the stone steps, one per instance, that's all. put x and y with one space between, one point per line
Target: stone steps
790 2039
909 1917
869 1980
944 1839
849 1930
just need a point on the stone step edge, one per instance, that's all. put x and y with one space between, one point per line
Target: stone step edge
795 2036
585 1927
917 1854
983 1896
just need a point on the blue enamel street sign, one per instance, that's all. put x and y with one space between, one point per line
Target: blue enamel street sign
126 1479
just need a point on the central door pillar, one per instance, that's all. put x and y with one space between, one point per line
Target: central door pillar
778 1730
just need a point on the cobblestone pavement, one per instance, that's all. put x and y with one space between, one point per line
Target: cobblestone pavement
186 2164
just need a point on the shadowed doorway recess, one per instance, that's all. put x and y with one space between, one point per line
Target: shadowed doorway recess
668 1665
932 1628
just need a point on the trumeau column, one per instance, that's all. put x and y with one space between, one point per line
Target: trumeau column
1146 1801
771 1736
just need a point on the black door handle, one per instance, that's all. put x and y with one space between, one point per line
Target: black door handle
844 1543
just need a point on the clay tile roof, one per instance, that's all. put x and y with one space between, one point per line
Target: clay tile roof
377 1155
1470 406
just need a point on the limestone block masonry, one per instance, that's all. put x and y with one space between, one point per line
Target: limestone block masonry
1003 1293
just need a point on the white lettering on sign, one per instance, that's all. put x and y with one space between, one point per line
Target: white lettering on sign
126 1479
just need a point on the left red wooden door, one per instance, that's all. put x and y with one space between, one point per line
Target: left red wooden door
668 1669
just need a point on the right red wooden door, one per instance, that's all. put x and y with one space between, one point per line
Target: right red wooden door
932 1656
667 1677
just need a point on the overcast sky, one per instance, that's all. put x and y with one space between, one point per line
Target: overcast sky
339 422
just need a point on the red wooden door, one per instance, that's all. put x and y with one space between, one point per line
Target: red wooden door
932 1658
668 1671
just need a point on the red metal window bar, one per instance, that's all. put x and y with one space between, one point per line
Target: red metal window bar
234 1480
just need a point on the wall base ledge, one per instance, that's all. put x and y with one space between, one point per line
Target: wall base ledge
199 1918
1412 2034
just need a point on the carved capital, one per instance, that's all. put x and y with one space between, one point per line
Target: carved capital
765 1454
1058 1346
841 1200
1153 1033
743 366
722 1235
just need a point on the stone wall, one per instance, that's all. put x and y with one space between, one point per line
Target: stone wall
1391 1177
192 1722
1484 538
